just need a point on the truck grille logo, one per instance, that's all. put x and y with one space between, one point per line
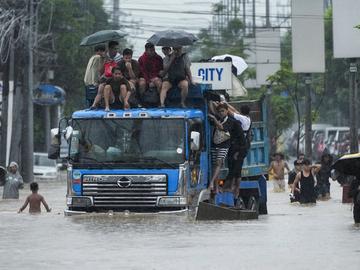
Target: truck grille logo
124 182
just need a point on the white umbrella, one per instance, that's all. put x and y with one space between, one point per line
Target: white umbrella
237 61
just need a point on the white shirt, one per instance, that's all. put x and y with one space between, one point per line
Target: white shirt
244 120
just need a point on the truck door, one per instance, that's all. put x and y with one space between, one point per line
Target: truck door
197 158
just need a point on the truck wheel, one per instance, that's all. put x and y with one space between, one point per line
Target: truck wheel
253 204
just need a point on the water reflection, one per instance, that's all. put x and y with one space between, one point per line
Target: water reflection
290 236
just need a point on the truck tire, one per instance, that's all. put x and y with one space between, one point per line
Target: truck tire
253 204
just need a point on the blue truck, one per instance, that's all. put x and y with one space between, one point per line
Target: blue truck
151 159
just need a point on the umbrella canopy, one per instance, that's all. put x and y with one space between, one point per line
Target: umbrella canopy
348 164
172 38
237 61
102 36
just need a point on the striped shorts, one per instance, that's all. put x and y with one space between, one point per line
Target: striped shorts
218 154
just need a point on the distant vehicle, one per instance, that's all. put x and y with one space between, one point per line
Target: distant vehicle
334 136
45 168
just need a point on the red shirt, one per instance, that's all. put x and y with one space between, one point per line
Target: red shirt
150 66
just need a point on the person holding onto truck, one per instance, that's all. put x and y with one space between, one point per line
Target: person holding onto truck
13 182
150 66
34 200
278 165
93 72
117 90
176 72
306 180
220 143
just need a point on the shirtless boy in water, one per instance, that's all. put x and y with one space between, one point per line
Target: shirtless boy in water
34 200
278 166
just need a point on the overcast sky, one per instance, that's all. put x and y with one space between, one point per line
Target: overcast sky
141 18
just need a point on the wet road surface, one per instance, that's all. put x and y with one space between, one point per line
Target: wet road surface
289 237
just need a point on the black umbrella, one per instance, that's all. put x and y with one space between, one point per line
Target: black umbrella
171 38
102 36
348 164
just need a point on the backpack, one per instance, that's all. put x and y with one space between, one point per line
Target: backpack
108 66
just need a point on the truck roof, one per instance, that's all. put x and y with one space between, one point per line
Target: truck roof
141 113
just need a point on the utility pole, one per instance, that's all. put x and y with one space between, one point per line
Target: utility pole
10 103
116 8
253 17
353 96
28 134
308 140
267 13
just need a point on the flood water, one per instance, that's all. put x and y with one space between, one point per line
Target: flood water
289 237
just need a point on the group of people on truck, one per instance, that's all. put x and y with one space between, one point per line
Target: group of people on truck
123 82
230 142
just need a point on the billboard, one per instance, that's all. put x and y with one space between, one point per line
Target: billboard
346 37
308 39
268 57
216 73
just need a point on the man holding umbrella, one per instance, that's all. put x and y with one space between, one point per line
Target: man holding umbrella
177 69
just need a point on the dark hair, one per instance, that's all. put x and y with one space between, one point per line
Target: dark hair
222 106
112 44
149 45
127 51
114 69
245 110
34 186
296 162
306 161
166 48
100 48
227 59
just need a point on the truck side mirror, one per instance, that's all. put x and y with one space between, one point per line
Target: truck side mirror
54 149
195 140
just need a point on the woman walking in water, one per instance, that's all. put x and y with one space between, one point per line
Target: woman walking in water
306 179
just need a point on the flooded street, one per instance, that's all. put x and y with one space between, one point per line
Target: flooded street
289 237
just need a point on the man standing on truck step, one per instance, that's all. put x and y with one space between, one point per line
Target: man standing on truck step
243 118
177 73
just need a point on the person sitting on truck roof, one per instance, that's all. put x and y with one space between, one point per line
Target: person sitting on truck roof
177 73
93 72
131 71
112 58
150 66
117 90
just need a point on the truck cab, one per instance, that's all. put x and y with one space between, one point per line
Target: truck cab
146 159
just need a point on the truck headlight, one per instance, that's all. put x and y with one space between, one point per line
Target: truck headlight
79 201
171 201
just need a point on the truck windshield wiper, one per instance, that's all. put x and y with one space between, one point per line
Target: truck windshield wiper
158 159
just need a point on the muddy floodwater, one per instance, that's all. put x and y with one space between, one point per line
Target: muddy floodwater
289 237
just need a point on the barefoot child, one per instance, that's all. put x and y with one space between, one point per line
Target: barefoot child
34 200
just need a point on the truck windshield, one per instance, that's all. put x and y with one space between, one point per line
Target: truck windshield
128 141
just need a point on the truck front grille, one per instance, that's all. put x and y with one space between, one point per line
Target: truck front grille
124 191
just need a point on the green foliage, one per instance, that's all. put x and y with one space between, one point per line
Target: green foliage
283 113
69 22
65 23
